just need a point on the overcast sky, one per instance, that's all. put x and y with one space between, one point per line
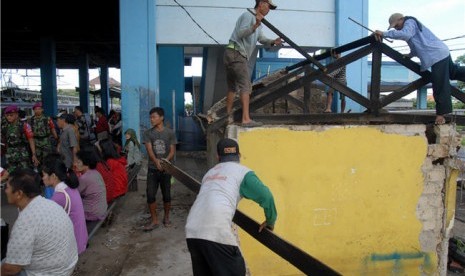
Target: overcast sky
445 18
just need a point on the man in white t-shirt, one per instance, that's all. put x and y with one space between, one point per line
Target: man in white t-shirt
42 239
210 239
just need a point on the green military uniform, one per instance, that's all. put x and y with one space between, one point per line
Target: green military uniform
42 133
17 146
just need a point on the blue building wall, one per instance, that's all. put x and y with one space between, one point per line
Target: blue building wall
139 72
171 64
347 31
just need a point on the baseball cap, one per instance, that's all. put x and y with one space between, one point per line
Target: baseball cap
272 5
228 150
394 18
11 109
38 104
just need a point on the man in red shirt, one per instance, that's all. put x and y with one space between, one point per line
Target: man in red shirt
102 129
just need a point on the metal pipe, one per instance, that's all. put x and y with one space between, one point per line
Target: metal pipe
387 39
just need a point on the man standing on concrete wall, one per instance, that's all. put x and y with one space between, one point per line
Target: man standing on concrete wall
242 43
210 238
433 53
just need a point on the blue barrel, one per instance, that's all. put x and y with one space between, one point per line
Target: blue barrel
190 134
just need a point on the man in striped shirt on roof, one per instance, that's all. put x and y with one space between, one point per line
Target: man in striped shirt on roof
340 75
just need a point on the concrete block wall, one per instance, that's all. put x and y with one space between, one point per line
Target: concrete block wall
364 199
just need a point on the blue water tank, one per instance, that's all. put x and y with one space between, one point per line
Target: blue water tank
191 136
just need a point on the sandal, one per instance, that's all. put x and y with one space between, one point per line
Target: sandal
150 227
252 123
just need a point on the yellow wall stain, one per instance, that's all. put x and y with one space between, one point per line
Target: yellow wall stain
346 196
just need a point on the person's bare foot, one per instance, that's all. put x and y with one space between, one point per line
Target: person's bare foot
230 119
440 120
327 111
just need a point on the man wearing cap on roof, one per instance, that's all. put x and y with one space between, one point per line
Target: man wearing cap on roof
243 40
210 238
432 52
19 140
42 126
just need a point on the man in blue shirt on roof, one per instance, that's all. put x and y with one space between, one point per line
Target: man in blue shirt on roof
433 53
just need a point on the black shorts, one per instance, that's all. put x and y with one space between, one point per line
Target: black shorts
215 259
156 178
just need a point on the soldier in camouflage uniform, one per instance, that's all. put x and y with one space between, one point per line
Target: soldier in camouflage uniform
42 127
19 140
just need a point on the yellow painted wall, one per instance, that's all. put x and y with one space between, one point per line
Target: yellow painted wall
347 196
451 196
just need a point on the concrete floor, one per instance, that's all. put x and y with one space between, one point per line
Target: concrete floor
124 249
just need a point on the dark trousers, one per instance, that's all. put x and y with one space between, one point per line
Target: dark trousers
441 72
156 178
215 259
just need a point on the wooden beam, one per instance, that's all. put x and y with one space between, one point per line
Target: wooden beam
295 101
416 68
307 95
355 118
404 91
347 91
459 95
341 49
375 78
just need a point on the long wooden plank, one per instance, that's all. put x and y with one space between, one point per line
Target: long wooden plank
291 43
404 91
338 50
375 78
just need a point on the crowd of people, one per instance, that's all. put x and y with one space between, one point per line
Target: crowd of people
62 173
